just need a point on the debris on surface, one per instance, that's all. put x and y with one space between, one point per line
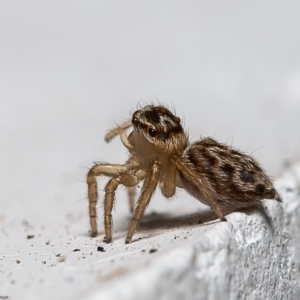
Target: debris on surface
100 248
152 250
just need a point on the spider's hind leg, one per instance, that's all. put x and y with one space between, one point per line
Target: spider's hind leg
201 188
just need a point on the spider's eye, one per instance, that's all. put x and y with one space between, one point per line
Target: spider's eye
152 132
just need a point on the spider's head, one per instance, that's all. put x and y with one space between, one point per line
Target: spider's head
161 128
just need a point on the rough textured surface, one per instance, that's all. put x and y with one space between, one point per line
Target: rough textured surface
245 258
254 255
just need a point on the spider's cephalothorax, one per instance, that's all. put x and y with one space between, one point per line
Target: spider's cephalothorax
160 153
161 128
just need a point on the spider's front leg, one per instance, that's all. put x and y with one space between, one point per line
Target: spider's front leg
121 131
200 183
128 180
110 170
148 188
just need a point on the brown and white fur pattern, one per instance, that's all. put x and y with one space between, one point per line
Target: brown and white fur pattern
160 153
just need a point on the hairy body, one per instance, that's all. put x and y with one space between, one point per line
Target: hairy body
161 154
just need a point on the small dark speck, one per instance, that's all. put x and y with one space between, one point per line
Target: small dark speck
30 236
152 250
18 261
100 248
76 250
44 262
143 250
48 243
57 255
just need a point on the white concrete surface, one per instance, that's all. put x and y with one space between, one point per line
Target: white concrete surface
178 255
69 70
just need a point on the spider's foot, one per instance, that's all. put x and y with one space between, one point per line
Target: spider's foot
223 219
94 233
128 240
107 240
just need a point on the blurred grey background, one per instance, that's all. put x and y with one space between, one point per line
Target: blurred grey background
70 70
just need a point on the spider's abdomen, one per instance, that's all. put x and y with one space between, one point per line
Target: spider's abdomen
234 179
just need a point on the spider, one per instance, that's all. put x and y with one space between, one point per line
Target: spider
161 154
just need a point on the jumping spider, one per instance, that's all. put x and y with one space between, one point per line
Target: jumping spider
160 153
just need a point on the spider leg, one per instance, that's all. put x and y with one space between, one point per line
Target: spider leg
168 182
202 185
125 141
106 170
149 186
125 179
117 131
120 130
131 197
131 191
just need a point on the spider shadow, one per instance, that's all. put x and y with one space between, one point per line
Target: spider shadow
203 218
168 221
